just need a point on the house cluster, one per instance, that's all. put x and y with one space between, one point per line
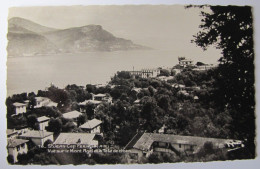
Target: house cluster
144 144
44 102
21 108
145 73
183 62
96 100
186 90
19 141
204 67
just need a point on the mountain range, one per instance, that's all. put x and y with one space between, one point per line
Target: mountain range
26 38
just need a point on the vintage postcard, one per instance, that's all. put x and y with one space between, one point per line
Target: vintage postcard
130 84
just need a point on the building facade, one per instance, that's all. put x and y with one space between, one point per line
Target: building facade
145 73
38 137
92 126
44 102
86 139
144 144
43 122
16 147
20 108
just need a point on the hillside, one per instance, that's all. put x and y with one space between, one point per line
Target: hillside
29 25
28 38
27 44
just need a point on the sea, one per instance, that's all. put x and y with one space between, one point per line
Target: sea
33 73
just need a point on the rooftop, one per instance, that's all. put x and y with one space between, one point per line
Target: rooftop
74 138
186 60
10 132
51 104
145 141
137 101
196 98
16 104
137 89
100 95
89 101
36 134
40 98
83 103
72 115
15 142
91 124
42 118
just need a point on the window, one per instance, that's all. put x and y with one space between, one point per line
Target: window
179 145
191 147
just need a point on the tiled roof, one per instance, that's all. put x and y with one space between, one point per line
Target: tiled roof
16 104
42 118
74 138
36 134
15 142
147 139
91 124
72 114
134 140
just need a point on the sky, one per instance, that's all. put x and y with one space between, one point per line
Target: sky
162 27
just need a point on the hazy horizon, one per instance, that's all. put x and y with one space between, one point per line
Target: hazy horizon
147 25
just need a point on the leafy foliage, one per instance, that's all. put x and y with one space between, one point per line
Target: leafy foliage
230 28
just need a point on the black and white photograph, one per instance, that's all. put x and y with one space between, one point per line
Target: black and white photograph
130 84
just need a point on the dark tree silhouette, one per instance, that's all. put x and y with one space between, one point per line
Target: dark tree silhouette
31 121
10 159
55 125
230 28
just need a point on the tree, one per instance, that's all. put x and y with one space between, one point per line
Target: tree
47 142
164 101
82 119
90 88
230 28
22 158
32 102
124 75
10 159
90 111
164 72
155 158
31 121
68 127
173 72
55 125
59 96
200 64
10 107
